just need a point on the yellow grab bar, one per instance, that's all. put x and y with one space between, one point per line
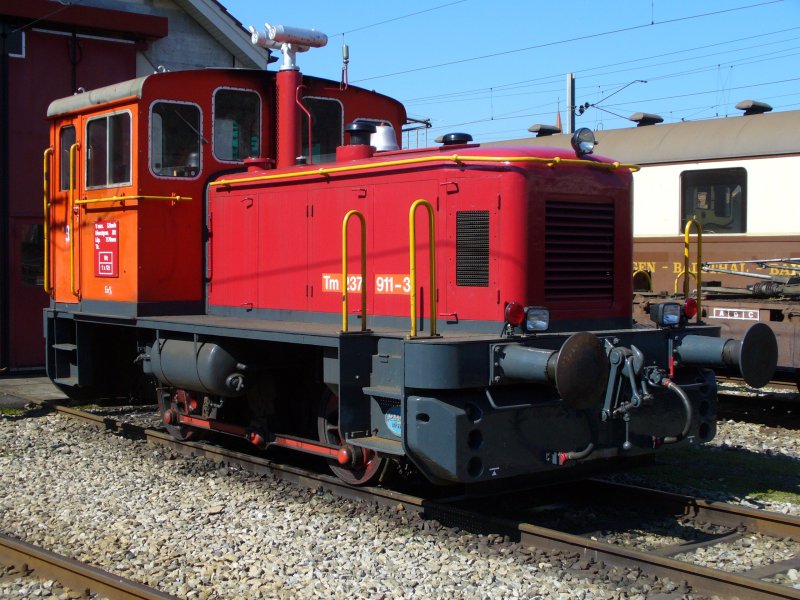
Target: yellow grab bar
48 154
73 150
454 158
345 290
175 198
412 234
698 277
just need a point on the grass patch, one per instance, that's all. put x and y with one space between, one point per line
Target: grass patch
739 473
11 412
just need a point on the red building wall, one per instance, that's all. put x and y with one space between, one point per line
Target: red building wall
77 47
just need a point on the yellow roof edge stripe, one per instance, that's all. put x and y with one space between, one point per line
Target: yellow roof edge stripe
454 158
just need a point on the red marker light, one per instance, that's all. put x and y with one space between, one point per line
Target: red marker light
515 313
690 308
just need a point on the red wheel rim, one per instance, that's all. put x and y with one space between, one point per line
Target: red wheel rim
372 465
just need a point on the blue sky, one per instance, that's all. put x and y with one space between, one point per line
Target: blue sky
492 69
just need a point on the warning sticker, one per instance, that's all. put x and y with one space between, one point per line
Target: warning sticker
106 249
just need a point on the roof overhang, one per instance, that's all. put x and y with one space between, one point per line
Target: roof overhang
86 18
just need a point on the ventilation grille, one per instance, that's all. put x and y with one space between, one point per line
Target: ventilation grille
579 251
472 248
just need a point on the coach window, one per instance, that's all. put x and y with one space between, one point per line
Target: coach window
108 151
237 125
327 127
66 140
717 198
175 139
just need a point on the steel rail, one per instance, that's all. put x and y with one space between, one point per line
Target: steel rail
72 573
658 562
700 578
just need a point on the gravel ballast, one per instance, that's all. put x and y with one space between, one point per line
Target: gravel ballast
193 529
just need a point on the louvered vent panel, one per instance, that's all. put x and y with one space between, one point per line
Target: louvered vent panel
472 248
579 250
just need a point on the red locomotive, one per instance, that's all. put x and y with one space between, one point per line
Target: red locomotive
463 310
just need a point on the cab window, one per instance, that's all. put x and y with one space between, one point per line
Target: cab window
66 140
327 127
108 151
175 139
717 198
237 124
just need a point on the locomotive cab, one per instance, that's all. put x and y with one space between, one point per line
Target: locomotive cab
130 164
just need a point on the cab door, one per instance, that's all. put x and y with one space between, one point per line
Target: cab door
64 182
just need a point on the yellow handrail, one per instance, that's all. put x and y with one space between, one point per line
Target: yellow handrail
698 277
412 234
345 290
73 150
175 198
454 158
48 154
647 276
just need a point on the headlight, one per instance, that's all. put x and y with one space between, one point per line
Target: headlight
666 314
583 141
536 319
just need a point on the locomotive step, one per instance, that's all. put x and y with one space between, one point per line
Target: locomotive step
393 393
378 444
66 347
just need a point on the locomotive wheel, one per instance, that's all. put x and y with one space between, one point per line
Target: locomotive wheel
181 402
372 468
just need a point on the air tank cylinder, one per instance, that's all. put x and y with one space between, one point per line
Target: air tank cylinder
199 366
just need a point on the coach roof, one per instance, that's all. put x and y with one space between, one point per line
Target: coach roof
732 137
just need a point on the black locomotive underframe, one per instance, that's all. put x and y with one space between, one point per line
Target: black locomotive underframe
427 400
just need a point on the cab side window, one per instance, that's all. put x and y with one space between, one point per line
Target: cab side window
65 142
237 124
175 139
327 128
108 151
717 198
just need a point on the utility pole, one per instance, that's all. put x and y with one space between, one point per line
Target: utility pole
570 103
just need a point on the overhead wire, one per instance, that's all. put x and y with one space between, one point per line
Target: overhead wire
392 20
65 4
622 104
547 79
568 40
737 62
781 54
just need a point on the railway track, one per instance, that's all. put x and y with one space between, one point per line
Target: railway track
775 406
34 561
590 543
535 517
